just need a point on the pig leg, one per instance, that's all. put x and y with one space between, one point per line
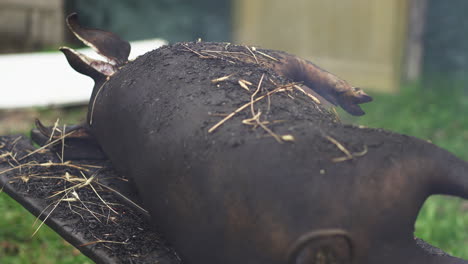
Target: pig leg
79 144
327 85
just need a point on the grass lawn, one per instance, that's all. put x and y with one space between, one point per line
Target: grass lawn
17 246
436 115
16 223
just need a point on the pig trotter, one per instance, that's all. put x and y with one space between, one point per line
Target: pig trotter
73 131
79 144
327 85
350 100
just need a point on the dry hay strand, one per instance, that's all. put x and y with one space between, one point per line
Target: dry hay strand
348 154
84 182
9 156
67 195
240 109
99 196
63 142
222 79
244 84
47 164
268 130
202 56
46 145
288 137
217 114
95 99
340 146
252 121
70 195
71 184
78 185
25 178
48 215
51 134
15 141
66 164
102 241
253 54
6 155
226 53
264 54
353 155
230 55
56 124
255 119
252 97
81 183
336 115
315 99
128 200
76 197
91 166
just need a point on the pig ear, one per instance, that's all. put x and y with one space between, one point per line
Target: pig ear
105 43
322 246
98 70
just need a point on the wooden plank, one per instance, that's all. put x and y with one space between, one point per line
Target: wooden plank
359 40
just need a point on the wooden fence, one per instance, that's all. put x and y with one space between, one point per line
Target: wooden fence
31 24
361 41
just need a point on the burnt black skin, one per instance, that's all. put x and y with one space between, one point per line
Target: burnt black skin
248 202
238 196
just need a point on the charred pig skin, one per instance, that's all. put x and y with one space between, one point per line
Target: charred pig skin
230 193
241 194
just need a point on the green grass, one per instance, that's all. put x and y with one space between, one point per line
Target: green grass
438 115
17 246
443 222
434 114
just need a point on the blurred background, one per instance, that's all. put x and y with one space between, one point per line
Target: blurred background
410 55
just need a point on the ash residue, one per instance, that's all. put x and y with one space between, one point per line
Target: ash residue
121 231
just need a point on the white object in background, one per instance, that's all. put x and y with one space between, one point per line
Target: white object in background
46 78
